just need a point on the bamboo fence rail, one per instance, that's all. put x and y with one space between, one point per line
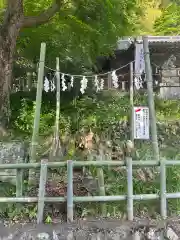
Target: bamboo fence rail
70 199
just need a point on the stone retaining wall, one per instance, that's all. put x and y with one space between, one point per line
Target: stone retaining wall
11 152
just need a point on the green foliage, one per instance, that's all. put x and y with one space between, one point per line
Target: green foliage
168 22
11 211
25 119
99 112
78 34
81 31
151 12
102 113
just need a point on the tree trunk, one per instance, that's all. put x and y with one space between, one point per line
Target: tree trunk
9 32
5 80
14 20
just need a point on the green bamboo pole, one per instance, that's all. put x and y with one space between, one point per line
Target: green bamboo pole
42 190
152 112
136 163
58 92
129 188
151 196
35 134
56 144
102 192
70 191
163 190
131 96
19 180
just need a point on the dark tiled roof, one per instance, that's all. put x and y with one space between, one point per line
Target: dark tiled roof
125 42
164 39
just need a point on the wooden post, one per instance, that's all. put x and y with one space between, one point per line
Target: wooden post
42 190
123 86
109 81
29 81
35 135
152 112
131 96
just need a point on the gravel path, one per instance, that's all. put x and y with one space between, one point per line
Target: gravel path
93 230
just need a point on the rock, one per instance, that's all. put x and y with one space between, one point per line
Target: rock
152 234
70 236
123 231
26 236
44 236
97 236
10 153
81 235
55 235
136 236
171 235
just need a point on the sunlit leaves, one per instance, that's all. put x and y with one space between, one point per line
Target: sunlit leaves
151 10
169 21
81 31
34 7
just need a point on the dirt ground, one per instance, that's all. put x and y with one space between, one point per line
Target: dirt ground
98 229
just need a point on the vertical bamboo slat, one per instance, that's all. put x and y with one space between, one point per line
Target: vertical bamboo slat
42 190
19 180
102 192
131 97
129 188
163 189
70 191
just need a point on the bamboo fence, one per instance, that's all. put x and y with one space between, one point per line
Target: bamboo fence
70 199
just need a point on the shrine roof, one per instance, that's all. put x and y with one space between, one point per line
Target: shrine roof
125 42
163 39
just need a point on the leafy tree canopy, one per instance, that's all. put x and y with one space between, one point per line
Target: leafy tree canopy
81 31
151 12
169 21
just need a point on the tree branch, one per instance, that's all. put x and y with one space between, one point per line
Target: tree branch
43 17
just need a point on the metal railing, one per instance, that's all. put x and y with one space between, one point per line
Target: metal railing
130 197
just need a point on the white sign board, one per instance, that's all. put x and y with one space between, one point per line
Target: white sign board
141 123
